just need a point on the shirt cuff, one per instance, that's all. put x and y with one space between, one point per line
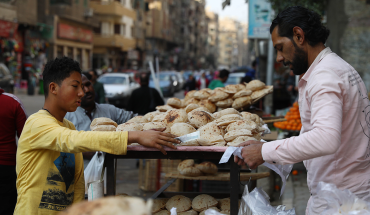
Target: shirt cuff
269 153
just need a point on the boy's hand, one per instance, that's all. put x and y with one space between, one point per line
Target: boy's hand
153 139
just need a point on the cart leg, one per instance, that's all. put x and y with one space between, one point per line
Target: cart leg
111 191
235 187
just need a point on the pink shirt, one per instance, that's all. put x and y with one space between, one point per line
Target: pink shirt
334 140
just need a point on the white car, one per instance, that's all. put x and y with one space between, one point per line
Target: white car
118 87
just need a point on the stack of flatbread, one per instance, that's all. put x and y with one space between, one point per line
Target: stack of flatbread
103 124
188 168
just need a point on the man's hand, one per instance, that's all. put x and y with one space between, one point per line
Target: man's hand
153 139
251 153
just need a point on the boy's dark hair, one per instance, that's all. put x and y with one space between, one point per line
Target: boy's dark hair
310 22
224 73
88 76
57 70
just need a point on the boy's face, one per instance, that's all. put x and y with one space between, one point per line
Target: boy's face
70 92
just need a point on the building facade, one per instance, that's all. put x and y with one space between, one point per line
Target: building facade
212 40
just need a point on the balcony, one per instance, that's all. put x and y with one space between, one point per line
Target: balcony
116 41
112 8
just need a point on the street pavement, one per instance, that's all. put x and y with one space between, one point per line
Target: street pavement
296 193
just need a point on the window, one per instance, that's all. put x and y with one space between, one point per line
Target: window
79 57
117 29
97 30
70 52
132 31
60 52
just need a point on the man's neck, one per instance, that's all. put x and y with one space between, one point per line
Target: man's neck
313 52
54 111
89 109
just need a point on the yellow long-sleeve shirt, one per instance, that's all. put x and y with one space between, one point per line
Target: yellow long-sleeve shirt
50 165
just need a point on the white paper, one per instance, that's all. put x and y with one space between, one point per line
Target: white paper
173 211
189 137
267 130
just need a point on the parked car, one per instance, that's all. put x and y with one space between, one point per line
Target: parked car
234 78
181 81
118 88
166 83
6 79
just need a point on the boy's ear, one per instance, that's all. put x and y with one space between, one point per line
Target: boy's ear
53 88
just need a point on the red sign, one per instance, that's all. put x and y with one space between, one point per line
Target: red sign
74 33
7 29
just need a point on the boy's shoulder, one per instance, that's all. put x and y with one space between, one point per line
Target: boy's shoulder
43 117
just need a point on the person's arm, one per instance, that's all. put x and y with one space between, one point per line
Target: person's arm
119 115
79 194
326 102
21 118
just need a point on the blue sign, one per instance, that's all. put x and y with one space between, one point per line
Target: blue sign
259 19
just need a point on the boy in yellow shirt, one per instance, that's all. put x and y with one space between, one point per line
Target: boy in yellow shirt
49 156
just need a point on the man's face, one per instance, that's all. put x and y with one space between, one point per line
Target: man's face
289 53
89 98
93 77
70 92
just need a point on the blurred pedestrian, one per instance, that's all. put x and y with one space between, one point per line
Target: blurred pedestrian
252 72
245 80
98 87
144 99
89 110
219 82
12 118
203 81
190 84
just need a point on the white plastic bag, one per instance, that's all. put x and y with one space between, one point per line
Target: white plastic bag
259 204
94 169
212 212
173 211
334 201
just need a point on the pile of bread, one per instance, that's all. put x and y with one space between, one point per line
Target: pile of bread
228 127
186 206
189 168
236 96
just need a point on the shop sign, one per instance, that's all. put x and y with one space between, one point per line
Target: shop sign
74 33
260 13
7 29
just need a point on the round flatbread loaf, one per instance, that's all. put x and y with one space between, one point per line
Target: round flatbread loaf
218 95
203 202
102 121
241 87
140 119
191 107
180 129
191 101
219 109
221 143
181 203
202 94
207 168
211 129
201 109
190 171
103 128
255 85
191 212
213 208
185 163
268 89
249 116
242 102
243 124
159 117
150 116
155 125
164 108
190 143
130 126
175 116
224 204
242 93
231 89
229 117
231 135
190 95
158 205
239 140
226 111
163 212
257 94
174 102
207 104
110 205
199 118
225 103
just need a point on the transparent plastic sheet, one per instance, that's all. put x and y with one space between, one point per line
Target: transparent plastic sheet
329 200
212 212
94 169
173 211
257 203
282 170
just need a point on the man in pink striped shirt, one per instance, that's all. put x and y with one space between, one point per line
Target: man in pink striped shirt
335 111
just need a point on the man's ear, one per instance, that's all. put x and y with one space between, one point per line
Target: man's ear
298 35
53 88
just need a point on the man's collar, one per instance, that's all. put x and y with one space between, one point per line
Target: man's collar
317 60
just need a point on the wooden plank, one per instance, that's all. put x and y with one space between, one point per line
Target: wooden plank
221 176
274 120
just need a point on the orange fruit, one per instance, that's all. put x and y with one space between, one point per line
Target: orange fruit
295 172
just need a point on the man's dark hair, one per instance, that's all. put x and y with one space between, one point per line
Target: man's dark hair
224 73
57 70
88 76
310 22
144 79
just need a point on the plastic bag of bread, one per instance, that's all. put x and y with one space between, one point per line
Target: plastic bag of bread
203 202
111 205
255 85
181 203
130 126
207 104
175 116
199 118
